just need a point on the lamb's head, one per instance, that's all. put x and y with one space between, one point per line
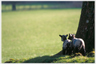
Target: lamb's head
63 37
71 36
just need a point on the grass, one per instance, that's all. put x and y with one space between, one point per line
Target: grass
35 33
56 59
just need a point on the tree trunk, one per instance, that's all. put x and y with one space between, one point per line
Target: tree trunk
86 25
13 6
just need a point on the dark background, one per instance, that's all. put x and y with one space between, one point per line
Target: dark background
34 5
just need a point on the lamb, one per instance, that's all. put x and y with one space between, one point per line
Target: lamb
78 44
66 44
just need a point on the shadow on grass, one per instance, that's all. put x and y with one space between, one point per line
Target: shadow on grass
40 59
59 57
44 59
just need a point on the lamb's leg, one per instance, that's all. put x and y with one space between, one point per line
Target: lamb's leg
63 51
75 50
83 51
70 51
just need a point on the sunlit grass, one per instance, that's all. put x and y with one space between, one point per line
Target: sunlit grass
77 59
28 34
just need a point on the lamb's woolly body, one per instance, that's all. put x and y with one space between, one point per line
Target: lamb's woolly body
65 43
77 42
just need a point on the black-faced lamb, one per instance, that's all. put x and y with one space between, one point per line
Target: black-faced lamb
78 44
66 44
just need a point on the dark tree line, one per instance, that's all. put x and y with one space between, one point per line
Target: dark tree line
50 4
87 24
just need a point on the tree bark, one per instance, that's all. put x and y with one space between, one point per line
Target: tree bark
13 6
86 25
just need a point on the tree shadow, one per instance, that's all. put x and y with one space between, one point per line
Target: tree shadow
37 59
44 59
51 59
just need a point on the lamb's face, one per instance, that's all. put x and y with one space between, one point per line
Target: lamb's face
63 37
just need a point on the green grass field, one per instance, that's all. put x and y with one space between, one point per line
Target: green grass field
35 33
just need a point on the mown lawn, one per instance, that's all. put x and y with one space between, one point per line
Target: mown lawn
35 33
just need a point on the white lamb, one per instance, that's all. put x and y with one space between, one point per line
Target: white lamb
66 44
78 44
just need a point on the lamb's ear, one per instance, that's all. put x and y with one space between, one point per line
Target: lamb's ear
66 35
60 35
70 34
